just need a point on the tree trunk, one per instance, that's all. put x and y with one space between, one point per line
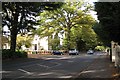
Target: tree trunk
68 38
14 30
13 40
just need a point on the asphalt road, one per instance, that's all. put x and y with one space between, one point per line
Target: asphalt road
50 66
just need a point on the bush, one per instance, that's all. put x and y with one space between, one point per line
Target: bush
8 54
100 48
21 54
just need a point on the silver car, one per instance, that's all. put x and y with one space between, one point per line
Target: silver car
73 52
90 52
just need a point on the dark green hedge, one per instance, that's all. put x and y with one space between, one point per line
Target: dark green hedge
8 54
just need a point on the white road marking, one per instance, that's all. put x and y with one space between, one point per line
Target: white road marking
5 71
29 73
47 73
21 77
56 64
65 77
43 65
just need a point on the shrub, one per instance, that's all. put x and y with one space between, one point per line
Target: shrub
100 48
21 54
8 54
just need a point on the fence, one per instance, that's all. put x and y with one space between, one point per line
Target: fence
39 52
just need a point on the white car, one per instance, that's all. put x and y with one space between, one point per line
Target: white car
90 52
73 52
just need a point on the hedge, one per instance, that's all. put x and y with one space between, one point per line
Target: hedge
8 54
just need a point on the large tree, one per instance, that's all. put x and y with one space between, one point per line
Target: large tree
102 35
84 37
71 14
109 20
20 16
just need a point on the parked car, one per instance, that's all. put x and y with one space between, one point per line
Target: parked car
90 51
57 53
73 52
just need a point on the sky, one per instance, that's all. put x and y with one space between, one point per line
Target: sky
93 13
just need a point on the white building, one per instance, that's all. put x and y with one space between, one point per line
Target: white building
42 43
39 43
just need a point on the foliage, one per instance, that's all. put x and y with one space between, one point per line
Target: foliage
70 15
84 37
8 54
24 40
4 40
100 48
20 17
102 35
109 18
54 43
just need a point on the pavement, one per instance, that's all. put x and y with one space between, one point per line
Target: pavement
101 68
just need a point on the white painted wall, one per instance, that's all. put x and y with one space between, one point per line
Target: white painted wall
41 43
44 43
113 51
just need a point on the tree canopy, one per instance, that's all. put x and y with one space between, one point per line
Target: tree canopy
63 20
24 40
20 16
109 20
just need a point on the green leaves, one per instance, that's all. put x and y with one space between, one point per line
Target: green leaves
109 17
24 40
69 18
19 17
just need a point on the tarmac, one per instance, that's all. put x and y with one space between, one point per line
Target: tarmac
102 68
